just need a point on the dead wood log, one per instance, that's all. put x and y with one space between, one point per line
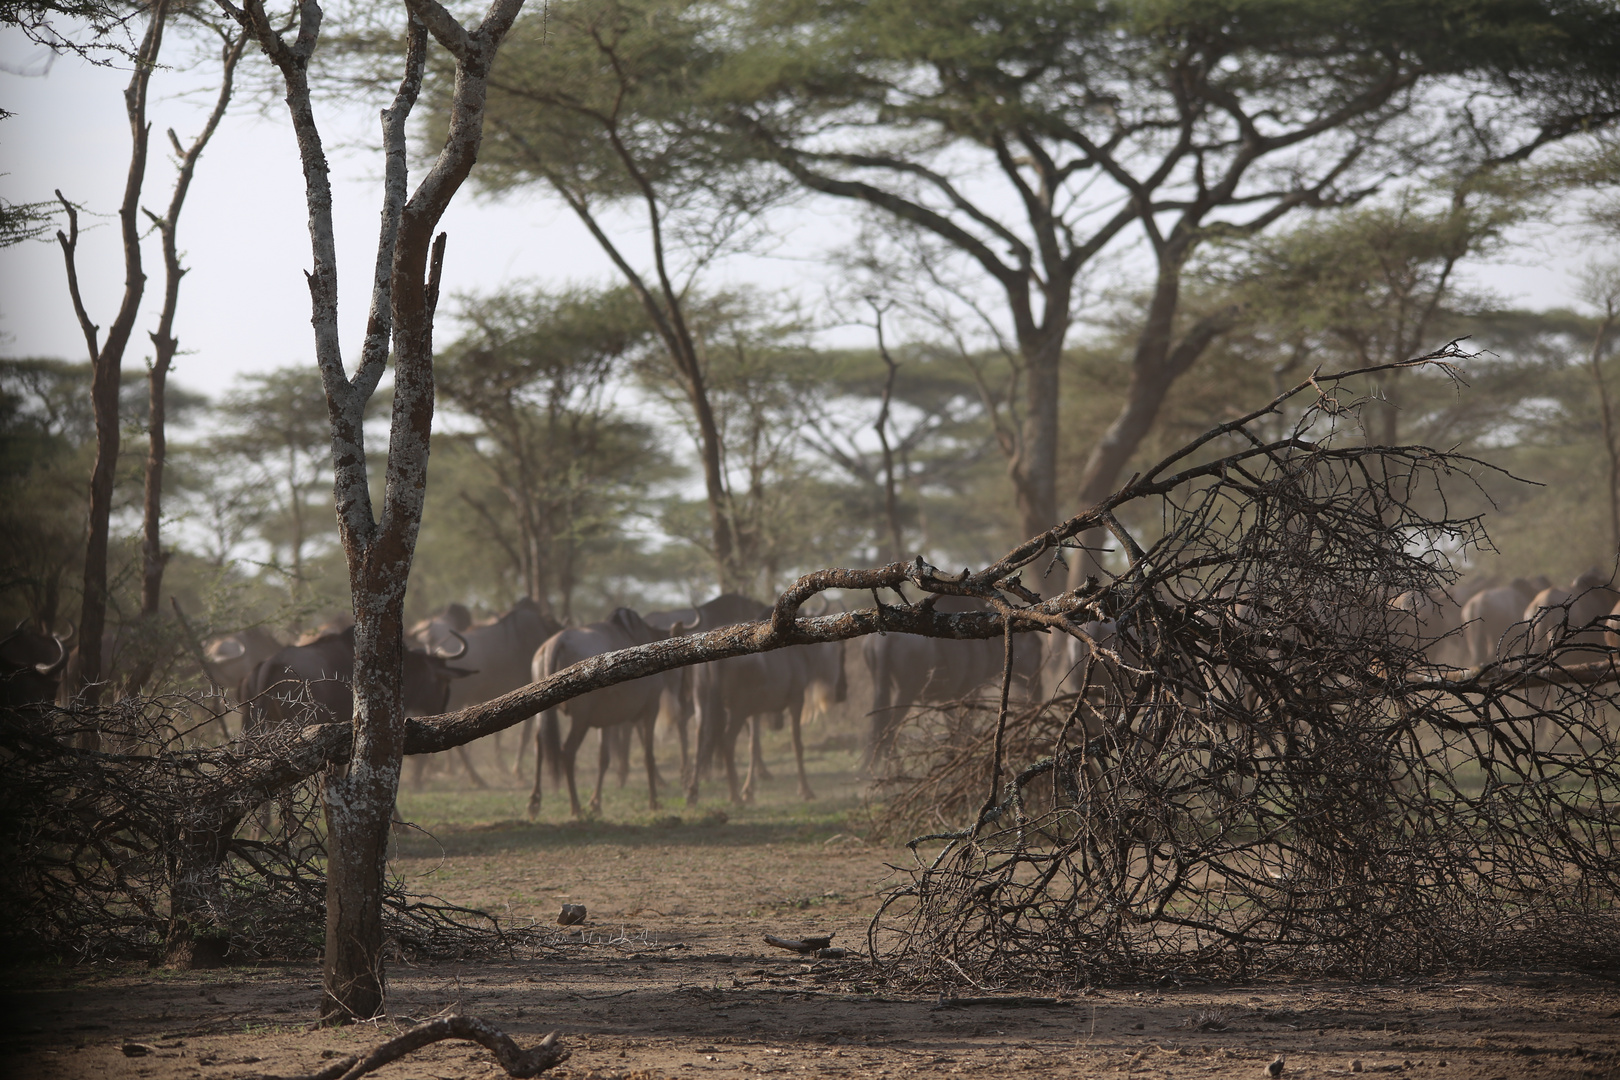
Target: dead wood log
516 1061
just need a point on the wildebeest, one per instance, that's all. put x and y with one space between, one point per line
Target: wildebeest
1556 615
31 666
636 702
909 668
233 657
326 667
744 690
1490 615
499 651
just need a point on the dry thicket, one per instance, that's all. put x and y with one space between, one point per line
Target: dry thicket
1253 769
127 837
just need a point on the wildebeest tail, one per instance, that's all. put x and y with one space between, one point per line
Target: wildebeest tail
551 745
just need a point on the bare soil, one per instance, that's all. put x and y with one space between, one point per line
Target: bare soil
670 977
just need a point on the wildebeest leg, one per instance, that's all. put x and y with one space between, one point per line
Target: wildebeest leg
621 752
548 723
472 773
577 730
877 740
728 750
794 716
525 733
686 761
607 746
756 755
653 779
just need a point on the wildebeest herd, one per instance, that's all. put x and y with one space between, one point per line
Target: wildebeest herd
455 661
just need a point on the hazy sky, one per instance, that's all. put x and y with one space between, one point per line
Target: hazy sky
244 305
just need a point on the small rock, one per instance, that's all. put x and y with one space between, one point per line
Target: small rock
1355 1066
572 915
135 1049
1276 1067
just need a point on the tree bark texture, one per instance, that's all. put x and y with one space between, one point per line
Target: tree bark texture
84 675
359 798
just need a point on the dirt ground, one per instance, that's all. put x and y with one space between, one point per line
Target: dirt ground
670 978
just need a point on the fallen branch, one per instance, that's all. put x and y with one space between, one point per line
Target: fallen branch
516 1061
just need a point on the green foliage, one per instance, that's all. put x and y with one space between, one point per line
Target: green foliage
553 469
270 472
46 451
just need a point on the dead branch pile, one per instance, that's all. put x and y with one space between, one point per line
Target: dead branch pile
1253 768
152 846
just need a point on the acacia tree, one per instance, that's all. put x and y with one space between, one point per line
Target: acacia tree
276 437
359 799
537 371
1367 285
603 102
1028 137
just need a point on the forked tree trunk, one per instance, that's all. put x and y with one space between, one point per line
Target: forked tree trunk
379 549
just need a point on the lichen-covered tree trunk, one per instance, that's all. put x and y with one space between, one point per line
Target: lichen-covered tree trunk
378 548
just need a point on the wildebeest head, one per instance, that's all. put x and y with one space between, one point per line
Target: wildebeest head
31 666
429 674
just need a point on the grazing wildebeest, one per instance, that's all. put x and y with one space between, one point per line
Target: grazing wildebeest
1490 616
909 668
31 666
500 651
326 667
636 702
1556 616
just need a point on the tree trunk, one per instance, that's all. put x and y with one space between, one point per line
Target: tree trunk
1034 467
84 675
1611 437
891 508
1154 369
379 548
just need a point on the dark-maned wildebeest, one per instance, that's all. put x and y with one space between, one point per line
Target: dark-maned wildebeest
500 651
908 669
636 702
275 693
314 683
1490 616
31 666
1557 616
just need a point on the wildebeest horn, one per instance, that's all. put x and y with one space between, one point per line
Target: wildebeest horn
441 654
56 665
681 628
228 649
